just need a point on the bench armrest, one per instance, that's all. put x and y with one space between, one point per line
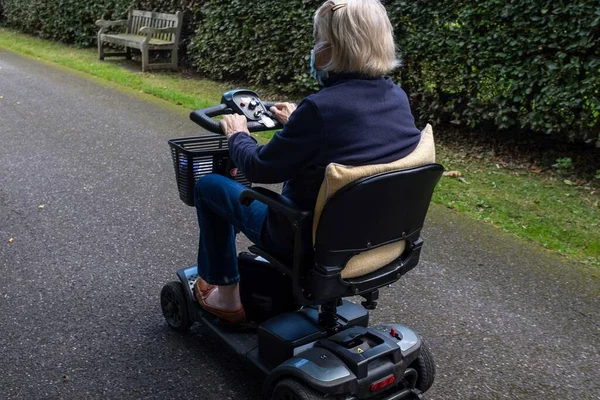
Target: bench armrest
107 24
276 202
104 25
149 31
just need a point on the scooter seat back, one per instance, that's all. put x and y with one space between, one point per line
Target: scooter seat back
338 176
367 214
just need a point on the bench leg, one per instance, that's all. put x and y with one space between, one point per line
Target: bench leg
128 53
174 58
145 58
100 48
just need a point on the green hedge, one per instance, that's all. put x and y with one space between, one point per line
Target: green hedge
72 21
525 64
259 42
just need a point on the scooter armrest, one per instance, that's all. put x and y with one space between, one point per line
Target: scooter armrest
275 201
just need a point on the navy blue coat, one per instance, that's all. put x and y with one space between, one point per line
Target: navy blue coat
353 120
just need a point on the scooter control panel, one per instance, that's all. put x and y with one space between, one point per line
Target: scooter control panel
247 103
240 101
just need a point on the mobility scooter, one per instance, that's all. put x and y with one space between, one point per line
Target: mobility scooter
306 339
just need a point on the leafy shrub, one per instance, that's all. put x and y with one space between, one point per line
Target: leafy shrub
525 64
563 163
258 42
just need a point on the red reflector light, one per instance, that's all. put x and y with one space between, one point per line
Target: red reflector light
385 382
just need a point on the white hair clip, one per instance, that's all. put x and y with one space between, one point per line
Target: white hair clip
338 6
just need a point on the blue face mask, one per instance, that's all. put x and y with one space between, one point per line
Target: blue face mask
314 72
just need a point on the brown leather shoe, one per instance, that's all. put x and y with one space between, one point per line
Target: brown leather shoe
234 317
202 289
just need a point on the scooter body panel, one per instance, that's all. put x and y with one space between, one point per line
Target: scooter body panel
346 362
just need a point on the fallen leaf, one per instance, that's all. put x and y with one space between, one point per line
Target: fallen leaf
463 180
568 182
10 240
536 170
453 174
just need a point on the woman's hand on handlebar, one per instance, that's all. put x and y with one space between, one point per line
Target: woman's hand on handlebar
233 123
282 111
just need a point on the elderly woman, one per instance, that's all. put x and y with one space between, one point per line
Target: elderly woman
359 117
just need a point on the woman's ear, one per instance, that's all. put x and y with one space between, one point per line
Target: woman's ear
322 58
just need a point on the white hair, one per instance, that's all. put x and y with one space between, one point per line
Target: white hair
359 35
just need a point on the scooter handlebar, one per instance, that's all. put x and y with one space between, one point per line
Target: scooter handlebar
204 118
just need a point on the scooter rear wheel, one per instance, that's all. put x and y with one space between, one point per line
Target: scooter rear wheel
174 307
425 367
290 389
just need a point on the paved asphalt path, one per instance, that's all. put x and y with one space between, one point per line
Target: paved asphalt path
79 286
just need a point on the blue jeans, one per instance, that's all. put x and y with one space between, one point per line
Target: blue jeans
219 212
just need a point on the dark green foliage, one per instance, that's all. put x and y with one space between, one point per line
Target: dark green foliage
260 42
72 21
525 64
62 20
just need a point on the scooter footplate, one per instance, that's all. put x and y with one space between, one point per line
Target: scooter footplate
241 339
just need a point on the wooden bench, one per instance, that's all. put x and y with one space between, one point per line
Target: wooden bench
145 30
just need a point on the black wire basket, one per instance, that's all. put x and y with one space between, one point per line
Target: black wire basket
195 157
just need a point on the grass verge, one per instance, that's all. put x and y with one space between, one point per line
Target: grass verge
542 208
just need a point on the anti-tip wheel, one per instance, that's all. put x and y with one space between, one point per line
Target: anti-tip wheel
174 306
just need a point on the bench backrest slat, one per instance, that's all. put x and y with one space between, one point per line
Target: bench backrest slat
138 19
154 15
162 23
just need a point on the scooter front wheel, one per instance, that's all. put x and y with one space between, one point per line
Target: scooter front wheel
174 307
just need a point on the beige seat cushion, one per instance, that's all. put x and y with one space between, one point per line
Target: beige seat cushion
337 176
